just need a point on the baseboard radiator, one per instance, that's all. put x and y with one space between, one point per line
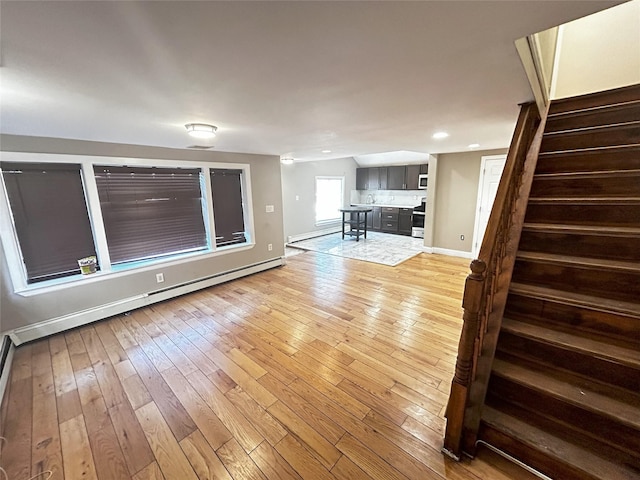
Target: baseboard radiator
55 325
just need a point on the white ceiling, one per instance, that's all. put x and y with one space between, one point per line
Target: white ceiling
285 78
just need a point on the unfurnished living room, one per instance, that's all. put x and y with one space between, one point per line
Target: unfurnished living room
320 240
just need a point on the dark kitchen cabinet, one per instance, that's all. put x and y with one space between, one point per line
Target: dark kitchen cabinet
424 168
405 220
383 178
395 177
362 178
412 175
374 179
377 218
389 219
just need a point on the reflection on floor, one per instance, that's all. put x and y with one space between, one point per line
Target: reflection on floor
383 248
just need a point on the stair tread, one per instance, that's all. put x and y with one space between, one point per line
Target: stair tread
573 394
593 109
599 349
592 200
584 262
555 447
633 172
609 149
583 130
578 299
582 229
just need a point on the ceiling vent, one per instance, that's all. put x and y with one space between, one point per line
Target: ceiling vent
200 147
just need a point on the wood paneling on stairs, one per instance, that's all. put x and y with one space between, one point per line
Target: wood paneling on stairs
564 391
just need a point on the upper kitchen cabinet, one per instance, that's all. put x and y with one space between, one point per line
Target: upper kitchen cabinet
396 177
362 178
370 178
412 175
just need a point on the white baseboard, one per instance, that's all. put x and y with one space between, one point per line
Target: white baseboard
76 319
317 233
427 249
452 253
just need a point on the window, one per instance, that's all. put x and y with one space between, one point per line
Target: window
228 212
49 210
150 212
130 213
329 195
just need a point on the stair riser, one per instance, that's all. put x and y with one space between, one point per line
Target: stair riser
621 159
570 318
599 99
625 248
616 285
554 356
592 424
593 118
592 138
579 214
606 186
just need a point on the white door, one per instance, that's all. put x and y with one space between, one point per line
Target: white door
490 173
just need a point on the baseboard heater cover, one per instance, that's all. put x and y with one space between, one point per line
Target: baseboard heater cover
6 357
77 319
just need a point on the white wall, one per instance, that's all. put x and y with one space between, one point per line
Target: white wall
299 188
18 310
599 52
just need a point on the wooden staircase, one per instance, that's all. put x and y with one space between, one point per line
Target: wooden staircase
564 390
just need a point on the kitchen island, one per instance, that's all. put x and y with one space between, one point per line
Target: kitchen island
355 217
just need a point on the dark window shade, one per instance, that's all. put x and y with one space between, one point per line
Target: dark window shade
50 215
150 212
226 187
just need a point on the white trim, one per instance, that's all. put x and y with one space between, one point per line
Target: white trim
556 63
11 246
427 249
453 253
6 370
476 225
316 233
76 319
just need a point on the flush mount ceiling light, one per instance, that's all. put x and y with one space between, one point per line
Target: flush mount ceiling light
326 151
440 135
474 145
201 130
286 161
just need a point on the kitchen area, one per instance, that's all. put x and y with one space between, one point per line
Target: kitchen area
396 195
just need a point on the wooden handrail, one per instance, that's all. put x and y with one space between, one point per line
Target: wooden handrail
487 285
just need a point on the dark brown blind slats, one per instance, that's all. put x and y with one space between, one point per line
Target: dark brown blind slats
150 212
50 215
226 187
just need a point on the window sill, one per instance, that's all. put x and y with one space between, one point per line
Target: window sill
126 269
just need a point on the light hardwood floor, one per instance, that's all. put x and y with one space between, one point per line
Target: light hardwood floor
324 368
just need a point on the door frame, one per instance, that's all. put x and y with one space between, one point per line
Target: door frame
475 246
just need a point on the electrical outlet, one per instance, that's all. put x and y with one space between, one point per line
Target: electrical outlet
461 237
297 197
269 208
159 277
270 247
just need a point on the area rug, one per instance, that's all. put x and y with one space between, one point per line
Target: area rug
383 248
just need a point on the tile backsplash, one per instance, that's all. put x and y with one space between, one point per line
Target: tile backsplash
388 197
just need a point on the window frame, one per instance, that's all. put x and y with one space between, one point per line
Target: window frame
330 221
11 245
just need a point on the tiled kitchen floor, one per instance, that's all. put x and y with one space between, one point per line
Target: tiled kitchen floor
383 248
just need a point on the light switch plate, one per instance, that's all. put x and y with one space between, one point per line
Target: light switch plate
269 209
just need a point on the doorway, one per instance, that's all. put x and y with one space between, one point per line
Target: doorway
491 169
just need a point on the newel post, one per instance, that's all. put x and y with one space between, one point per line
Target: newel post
471 303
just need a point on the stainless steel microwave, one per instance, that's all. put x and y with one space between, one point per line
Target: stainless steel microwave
422 180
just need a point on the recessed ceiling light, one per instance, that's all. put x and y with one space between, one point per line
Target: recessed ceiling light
201 130
440 135
474 145
286 161
326 151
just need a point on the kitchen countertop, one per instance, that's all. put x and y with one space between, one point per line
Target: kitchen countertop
370 205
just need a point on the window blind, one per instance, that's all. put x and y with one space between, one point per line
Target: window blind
50 215
150 211
226 187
